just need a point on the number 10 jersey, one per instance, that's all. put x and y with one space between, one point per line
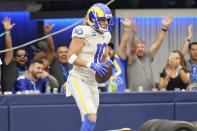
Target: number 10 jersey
92 51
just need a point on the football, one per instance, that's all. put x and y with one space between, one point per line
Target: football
105 78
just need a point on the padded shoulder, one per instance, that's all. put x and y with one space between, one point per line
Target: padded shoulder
107 36
82 31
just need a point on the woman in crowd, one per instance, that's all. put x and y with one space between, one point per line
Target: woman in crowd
175 75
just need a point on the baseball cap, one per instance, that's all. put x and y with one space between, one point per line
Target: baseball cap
41 46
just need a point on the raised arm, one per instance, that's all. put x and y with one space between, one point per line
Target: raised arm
122 50
187 40
8 39
50 43
133 45
165 23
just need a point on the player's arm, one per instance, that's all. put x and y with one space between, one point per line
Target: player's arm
165 22
187 40
8 39
75 47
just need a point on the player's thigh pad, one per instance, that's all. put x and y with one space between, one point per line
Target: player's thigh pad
83 95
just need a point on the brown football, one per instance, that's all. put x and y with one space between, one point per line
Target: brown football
103 79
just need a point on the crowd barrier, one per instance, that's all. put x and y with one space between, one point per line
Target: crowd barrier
49 112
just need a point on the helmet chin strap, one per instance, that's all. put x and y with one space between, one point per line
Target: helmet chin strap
102 29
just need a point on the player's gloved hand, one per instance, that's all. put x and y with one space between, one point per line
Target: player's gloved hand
110 62
100 68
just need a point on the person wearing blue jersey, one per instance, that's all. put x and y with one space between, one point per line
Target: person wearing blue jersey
35 79
192 61
118 78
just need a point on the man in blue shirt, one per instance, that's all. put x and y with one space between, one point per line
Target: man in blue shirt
118 77
35 79
192 66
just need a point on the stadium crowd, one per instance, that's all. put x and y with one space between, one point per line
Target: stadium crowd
49 68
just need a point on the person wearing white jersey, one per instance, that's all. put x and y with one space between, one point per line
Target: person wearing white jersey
88 54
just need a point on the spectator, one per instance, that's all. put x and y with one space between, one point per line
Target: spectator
192 65
192 62
120 59
40 50
44 50
15 63
139 62
175 74
35 79
59 67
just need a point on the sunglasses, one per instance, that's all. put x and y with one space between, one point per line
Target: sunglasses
20 55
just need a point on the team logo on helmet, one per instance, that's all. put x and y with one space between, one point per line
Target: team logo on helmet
97 12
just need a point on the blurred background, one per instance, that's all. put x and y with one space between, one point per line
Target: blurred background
31 15
130 109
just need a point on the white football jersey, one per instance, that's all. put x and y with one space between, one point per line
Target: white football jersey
92 51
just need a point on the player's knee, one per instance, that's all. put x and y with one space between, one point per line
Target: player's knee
92 117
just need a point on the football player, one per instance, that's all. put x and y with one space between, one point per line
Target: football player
88 54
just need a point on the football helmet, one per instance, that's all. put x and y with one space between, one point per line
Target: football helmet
98 12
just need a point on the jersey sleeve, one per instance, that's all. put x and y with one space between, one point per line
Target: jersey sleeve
19 85
80 32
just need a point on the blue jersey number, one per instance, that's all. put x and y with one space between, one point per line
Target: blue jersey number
78 31
99 52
